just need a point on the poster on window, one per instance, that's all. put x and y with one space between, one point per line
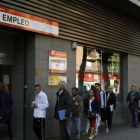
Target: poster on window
6 79
54 80
57 62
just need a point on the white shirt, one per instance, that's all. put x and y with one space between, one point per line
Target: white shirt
90 108
108 96
102 99
42 103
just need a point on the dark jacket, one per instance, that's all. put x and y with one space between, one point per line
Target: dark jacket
111 100
94 104
63 102
135 103
77 106
5 104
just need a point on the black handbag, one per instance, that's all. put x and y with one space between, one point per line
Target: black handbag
92 115
3 127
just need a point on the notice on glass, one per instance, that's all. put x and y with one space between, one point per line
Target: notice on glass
54 80
57 62
6 79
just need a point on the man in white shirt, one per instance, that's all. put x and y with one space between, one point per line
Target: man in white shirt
40 104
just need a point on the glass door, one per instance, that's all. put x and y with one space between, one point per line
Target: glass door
98 66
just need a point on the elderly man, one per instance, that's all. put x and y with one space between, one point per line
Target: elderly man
40 104
63 102
111 105
133 98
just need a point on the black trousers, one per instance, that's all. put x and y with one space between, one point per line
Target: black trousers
63 130
39 127
7 120
109 115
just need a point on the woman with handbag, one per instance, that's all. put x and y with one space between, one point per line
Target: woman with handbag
6 107
91 110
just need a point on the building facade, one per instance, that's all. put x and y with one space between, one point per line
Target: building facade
108 52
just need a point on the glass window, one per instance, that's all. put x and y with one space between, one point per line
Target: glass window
98 66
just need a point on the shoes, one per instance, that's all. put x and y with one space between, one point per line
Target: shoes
136 126
96 133
91 137
85 133
107 130
132 125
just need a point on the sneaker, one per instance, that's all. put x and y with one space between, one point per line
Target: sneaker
107 130
132 125
136 126
91 137
85 133
96 134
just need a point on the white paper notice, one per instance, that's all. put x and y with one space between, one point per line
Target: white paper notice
111 107
6 79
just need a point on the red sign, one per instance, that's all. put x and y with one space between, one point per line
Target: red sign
57 62
89 77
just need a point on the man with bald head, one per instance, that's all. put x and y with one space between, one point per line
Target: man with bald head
111 105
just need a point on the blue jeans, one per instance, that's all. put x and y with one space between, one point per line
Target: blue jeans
134 115
77 122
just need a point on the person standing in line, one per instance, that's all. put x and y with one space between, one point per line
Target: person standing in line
92 105
6 108
63 102
87 121
40 104
111 105
101 95
139 108
77 105
133 98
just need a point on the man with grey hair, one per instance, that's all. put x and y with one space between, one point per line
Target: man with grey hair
110 105
133 98
63 102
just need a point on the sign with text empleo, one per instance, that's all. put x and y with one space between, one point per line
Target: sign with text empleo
25 21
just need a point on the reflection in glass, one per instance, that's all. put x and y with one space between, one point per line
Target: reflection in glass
97 66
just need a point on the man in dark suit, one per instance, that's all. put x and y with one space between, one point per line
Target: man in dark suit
63 102
133 98
111 105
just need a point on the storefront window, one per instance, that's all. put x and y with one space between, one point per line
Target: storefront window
98 66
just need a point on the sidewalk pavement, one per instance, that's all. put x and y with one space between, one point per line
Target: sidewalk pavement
117 132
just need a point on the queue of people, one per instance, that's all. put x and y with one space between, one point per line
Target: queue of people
98 106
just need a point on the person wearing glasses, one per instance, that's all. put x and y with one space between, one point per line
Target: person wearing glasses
40 104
